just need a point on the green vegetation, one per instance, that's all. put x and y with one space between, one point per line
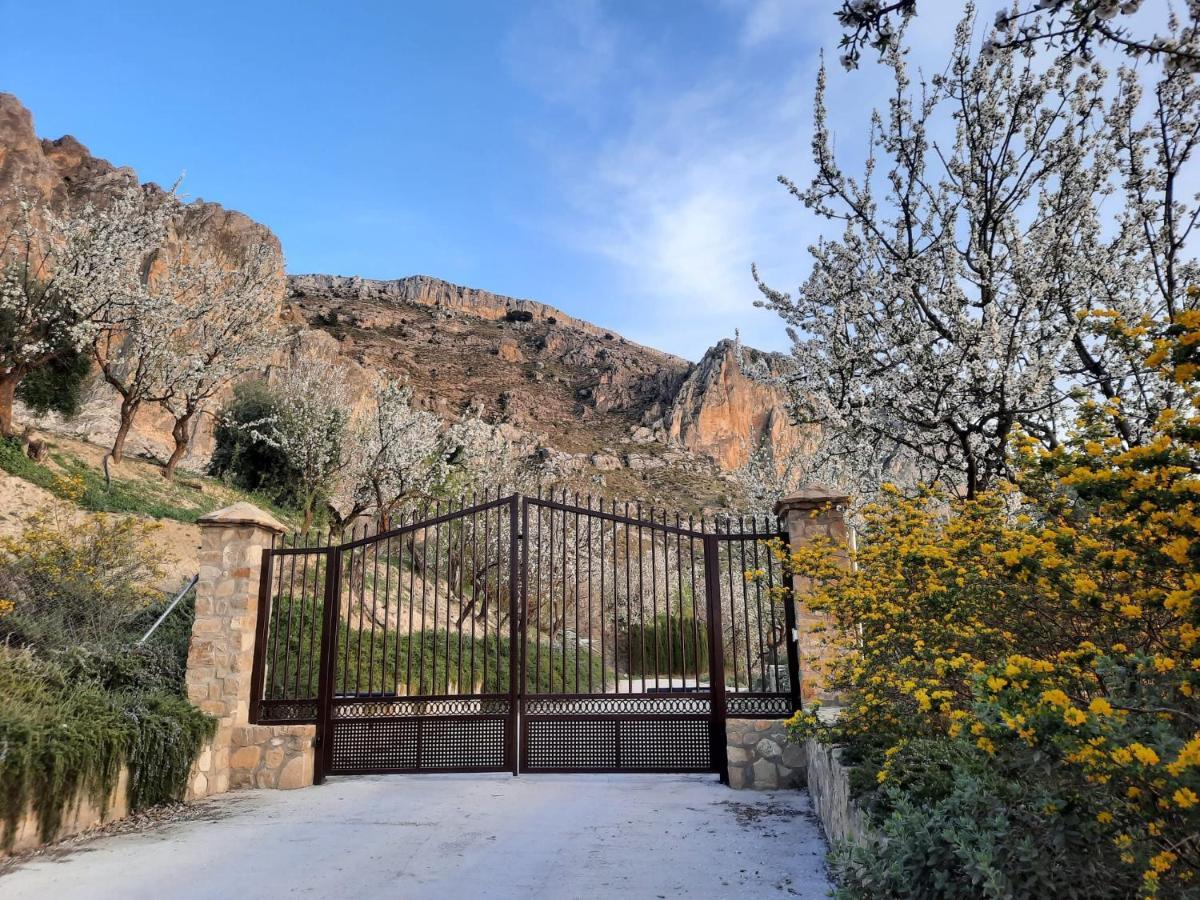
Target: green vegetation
57 385
242 460
670 646
134 488
439 665
78 699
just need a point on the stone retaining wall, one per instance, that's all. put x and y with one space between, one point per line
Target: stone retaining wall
761 757
829 789
80 815
272 756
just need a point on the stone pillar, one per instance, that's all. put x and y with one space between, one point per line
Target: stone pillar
813 513
221 657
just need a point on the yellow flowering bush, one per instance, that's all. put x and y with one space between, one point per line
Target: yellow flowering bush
68 582
1024 668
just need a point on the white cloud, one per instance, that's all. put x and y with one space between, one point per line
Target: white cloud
679 196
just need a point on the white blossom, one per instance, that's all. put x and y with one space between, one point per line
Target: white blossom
951 310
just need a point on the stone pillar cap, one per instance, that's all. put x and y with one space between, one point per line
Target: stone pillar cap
812 497
242 513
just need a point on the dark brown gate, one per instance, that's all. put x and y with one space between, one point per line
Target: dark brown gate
628 613
543 634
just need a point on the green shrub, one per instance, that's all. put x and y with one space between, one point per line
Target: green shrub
956 827
78 698
68 585
246 463
57 386
63 733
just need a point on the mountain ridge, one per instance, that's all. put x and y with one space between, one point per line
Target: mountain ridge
591 406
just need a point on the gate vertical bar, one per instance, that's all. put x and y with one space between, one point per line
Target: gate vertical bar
518 535
716 654
259 668
323 758
792 636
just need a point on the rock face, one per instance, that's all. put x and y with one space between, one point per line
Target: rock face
732 403
593 407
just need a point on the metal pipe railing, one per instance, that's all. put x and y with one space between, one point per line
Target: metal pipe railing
166 612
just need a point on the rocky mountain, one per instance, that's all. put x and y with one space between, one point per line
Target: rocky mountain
596 410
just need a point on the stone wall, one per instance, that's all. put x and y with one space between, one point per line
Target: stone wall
761 757
272 756
829 789
80 815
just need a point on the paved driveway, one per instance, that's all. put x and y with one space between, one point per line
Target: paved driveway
461 837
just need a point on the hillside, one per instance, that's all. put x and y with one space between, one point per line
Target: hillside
596 411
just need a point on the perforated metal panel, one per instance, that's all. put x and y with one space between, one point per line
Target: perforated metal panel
399 744
616 744
646 733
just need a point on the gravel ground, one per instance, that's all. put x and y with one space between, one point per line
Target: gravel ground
451 836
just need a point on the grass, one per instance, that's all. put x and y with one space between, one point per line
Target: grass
135 488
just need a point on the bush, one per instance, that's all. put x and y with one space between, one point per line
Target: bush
57 386
63 733
78 700
246 463
1020 672
69 585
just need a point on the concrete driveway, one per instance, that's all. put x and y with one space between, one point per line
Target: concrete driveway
458 836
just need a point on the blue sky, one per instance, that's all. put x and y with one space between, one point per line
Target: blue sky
617 160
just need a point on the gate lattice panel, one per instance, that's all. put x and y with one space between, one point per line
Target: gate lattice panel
525 634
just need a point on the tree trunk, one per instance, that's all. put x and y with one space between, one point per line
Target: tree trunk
8 396
129 409
179 431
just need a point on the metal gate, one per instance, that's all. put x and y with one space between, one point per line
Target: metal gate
525 634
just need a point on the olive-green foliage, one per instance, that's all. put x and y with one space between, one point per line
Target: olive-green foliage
57 385
671 646
369 662
78 698
70 719
74 585
963 828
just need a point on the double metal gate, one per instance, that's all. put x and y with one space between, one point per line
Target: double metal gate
525 634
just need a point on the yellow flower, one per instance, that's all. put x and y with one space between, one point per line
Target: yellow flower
1144 754
1056 697
1073 716
1185 797
1163 861
1100 707
996 684
1104 817
986 746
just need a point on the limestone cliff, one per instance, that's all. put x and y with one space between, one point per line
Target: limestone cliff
732 403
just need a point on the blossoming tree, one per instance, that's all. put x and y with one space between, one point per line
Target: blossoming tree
953 309
67 274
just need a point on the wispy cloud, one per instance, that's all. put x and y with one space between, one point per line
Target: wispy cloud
679 195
